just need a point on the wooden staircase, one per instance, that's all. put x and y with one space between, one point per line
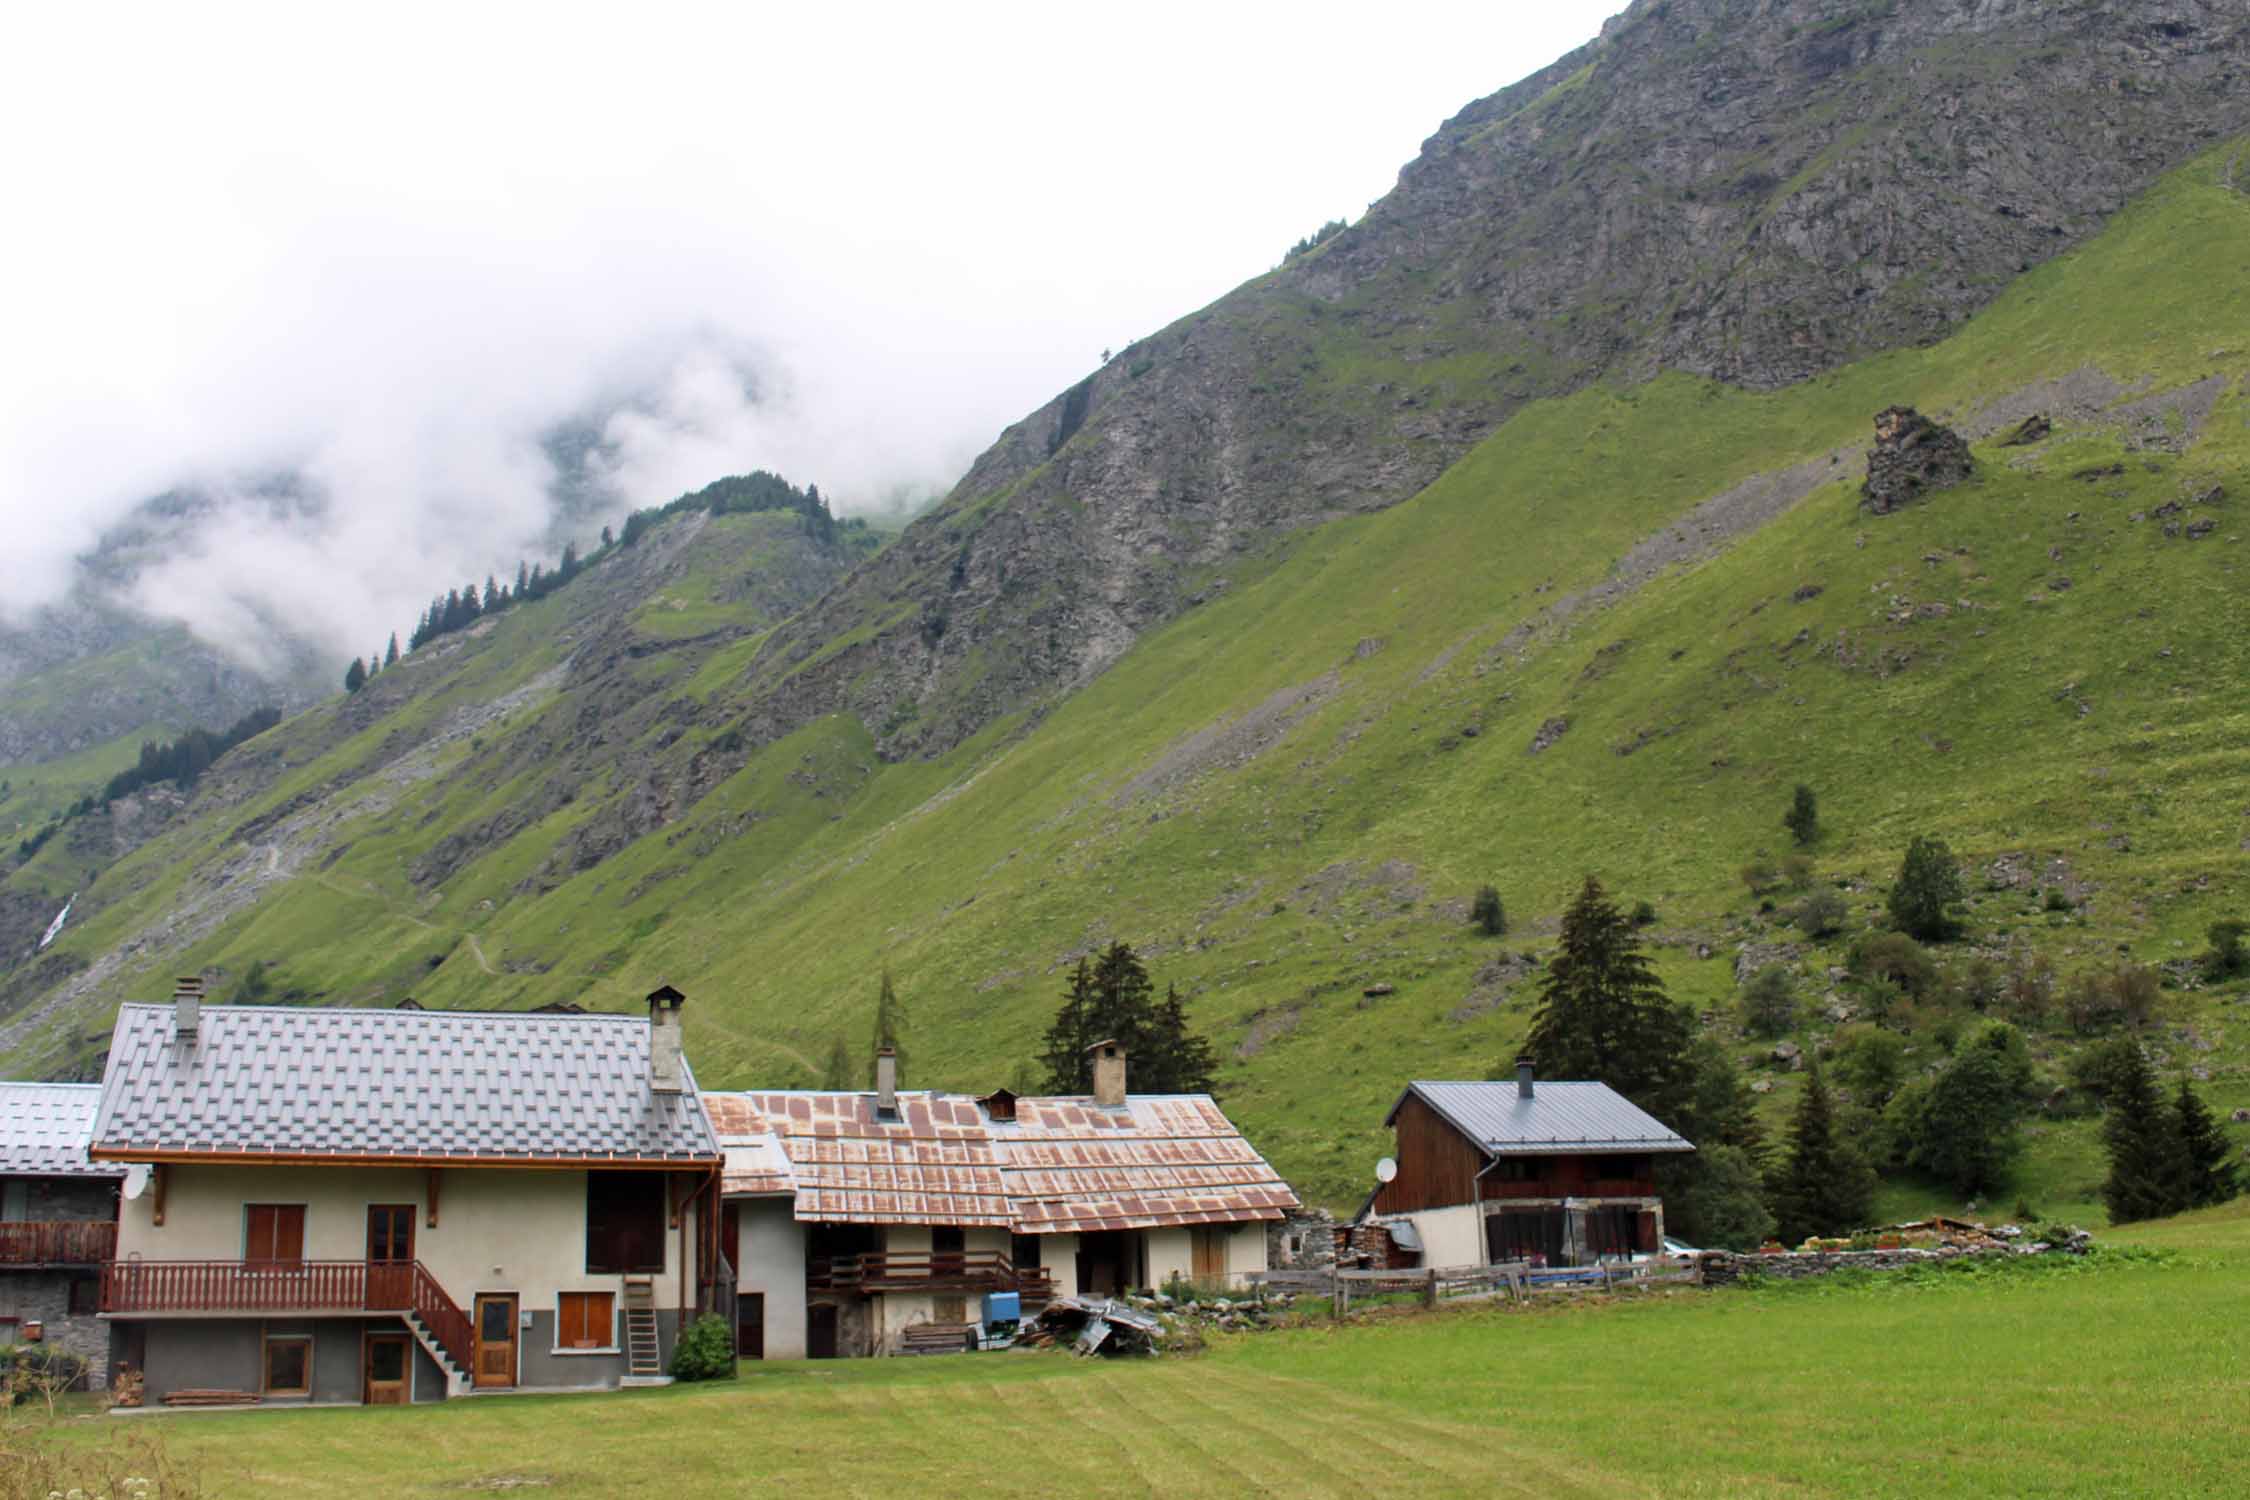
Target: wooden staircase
457 1380
644 1358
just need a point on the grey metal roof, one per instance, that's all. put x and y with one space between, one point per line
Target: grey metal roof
1591 1118
44 1128
423 1086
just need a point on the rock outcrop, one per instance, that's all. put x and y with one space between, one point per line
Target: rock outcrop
1913 458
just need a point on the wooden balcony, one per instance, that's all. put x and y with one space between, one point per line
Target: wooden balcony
956 1272
142 1287
58 1242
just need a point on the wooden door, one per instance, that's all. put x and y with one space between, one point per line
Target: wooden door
1209 1248
750 1325
389 1368
495 1354
390 1255
820 1331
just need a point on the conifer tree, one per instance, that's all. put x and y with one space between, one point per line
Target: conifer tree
1803 817
1824 1187
355 676
1063 1053
839 1074
491 593
390 652
1486 913
2204 1152
1927 889
1177 1061
890 1025
2148 1172
1603 1014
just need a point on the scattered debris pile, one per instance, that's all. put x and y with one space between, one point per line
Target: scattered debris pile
1913 457
1137 1324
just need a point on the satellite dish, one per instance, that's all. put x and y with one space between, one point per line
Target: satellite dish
1385 1170
136 1179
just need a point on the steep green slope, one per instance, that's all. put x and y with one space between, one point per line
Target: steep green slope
1286 797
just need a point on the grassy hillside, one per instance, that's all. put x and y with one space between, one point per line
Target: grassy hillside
1287 796
1781 1391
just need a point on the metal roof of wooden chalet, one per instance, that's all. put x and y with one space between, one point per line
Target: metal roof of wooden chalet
44 1128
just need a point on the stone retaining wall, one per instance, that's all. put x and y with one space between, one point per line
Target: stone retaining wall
1721 1266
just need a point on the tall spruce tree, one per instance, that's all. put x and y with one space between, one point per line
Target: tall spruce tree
355 676
839 1074
890 1028
1603 1014
390 652
2205 1155
2148 1173
1803 818
1177 1061
1824 1186
1111 998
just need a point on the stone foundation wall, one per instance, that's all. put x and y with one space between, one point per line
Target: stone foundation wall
43 1297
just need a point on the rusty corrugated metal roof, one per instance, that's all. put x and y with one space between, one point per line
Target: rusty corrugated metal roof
1063 1165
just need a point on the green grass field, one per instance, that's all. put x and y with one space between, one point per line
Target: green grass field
2083 1378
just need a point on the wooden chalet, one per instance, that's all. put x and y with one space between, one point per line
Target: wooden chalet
1559 1173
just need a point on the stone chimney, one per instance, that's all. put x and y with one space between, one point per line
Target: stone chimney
886 1080
187 1006
1109 1074
1523 1078
667 1073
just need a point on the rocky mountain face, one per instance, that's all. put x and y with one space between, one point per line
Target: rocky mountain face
1752 190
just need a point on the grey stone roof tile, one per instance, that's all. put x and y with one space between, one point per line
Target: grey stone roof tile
44 1128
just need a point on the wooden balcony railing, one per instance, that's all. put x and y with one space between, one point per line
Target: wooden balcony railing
291 1286
955 1272
60 1242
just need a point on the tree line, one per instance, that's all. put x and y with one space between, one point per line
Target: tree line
1109 997
459 608
181 762
1603 1014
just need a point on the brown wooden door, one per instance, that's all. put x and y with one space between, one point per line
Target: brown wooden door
390 1365
820 1331
390 1255
750 1325
494 1357
1209 1247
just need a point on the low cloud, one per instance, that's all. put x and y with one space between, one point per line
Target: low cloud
284 245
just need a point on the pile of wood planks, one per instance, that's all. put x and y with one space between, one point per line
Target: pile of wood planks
211 1398
936 1338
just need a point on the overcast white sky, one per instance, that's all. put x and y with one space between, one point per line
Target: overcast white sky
388 246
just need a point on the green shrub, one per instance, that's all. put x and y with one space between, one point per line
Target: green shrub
705 1351
1821 914
1898 958
1768 1005
1644 914
1486 913
2228 956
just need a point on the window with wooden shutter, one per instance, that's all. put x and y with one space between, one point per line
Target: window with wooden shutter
625 1222
585 1320
274 1234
